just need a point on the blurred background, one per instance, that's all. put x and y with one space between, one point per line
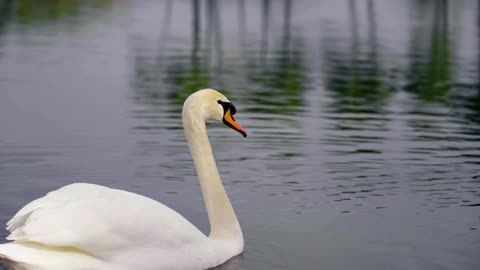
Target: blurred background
363 119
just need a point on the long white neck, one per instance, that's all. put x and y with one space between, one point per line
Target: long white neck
223 221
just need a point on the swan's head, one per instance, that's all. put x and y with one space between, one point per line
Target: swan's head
213 105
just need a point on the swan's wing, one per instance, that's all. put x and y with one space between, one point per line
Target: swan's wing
100 221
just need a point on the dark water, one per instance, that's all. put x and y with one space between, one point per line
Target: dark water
364 119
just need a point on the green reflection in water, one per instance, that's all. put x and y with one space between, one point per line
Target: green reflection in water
6 8
430 65
355 75
31 11
184 79
194 70
429 73
279 75
281 82
272 80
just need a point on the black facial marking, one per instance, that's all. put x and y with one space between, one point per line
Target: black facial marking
226 106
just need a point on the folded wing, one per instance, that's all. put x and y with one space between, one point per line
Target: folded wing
101 221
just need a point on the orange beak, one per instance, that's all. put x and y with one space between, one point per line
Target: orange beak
230 121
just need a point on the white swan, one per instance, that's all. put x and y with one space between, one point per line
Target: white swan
86 226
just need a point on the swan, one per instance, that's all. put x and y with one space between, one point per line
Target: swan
86 226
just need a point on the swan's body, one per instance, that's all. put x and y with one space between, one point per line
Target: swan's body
86 226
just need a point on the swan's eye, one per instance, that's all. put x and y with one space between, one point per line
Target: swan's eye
226 106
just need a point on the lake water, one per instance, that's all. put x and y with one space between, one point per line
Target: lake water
363 119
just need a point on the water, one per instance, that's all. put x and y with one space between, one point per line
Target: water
363 119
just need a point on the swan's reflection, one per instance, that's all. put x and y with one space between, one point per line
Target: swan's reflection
235 263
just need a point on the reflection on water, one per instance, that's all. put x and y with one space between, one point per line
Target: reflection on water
364 119
429 74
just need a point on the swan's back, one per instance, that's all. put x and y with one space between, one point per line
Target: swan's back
103 223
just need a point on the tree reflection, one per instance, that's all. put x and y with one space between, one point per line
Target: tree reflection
474 104
36 13
242 25
429 72
31 11
280 75
355 75
6 10
275 77
467 94
266 7
214 48
430 64
175 75
147 79
204 70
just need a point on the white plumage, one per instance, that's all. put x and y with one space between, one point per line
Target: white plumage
87 226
